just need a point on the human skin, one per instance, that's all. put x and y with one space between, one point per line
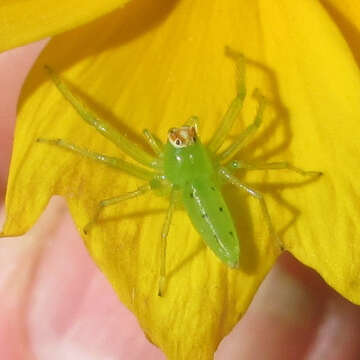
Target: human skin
54 302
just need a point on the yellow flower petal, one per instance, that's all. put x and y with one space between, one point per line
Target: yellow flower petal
153 67
26 21
320 85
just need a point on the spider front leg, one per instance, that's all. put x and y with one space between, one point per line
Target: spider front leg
115 200
193 121
235 181
102 126
156 144
240 140
233 111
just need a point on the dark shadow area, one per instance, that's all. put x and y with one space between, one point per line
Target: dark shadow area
348 30
274 190
281 119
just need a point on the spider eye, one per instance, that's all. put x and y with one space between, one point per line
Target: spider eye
177 142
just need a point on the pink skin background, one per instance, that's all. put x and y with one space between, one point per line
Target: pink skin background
55 304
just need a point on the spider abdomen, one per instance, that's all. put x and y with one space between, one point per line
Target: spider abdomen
211 217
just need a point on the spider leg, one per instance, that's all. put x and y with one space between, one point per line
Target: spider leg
193 121
240 141
105 128
115 200
164 235
111 161
257 195
156 144
233 111
236 164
